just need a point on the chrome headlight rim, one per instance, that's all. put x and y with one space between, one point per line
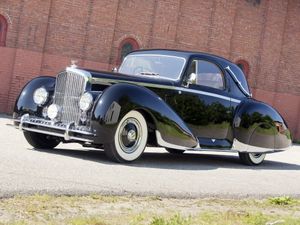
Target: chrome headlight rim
40 96
86 102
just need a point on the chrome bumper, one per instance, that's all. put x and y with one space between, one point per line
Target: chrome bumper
66 131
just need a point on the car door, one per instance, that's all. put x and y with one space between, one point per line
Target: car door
204 104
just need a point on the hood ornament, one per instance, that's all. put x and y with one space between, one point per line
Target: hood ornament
74 63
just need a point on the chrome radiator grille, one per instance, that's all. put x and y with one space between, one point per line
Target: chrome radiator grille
68 90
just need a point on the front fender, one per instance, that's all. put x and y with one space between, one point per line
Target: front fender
258 124
119 99
25 104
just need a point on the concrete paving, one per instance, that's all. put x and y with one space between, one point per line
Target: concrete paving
72 169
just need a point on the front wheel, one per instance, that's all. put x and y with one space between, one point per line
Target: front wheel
41 141
252 159
130 138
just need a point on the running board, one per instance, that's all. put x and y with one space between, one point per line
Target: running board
229 150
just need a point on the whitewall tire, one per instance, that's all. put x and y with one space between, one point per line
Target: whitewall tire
130 138
252 159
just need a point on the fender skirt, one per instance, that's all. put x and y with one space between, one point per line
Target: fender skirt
260 128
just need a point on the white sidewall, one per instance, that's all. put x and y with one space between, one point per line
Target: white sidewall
257 160
144 136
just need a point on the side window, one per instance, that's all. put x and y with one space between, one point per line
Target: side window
208 74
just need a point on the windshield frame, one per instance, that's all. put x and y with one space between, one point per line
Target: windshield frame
158 55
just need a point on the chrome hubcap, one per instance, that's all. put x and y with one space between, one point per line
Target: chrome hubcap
130 134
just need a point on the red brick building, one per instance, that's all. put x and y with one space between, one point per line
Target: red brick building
40 37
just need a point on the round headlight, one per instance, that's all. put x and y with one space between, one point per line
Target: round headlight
53 111
86 101
40 96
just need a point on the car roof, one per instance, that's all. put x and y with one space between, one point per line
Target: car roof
187 54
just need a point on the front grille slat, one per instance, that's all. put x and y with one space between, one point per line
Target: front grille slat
69 88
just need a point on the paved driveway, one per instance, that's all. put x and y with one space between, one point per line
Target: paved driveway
24 170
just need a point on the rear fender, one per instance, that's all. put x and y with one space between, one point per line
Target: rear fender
25 104
259 127
119 99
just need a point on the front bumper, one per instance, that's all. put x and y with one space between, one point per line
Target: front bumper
67 131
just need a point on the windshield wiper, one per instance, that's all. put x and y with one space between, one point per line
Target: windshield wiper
149 73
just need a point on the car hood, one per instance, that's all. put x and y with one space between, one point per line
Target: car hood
104 77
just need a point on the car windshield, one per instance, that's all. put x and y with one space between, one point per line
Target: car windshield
162 66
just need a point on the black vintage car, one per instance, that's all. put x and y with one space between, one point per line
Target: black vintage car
173 99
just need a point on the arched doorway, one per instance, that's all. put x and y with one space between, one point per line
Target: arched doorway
126 46
3 30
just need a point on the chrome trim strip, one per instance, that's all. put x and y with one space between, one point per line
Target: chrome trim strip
235 100
208 94
163 143
237 81
56 134
242 147
107 81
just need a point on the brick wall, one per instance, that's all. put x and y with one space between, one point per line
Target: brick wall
44 35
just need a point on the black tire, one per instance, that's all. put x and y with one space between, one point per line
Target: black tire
41 141
252 159
175 151
130 138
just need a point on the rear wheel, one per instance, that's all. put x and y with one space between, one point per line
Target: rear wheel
252 159
130 138
175 151
41 141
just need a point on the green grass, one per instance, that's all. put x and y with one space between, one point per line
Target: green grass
283 200
152 210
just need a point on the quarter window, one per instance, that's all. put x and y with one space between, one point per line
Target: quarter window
208 74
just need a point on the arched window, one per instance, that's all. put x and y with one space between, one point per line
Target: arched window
126 46
244 66
3 30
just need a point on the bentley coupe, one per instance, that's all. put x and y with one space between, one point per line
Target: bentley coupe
178 100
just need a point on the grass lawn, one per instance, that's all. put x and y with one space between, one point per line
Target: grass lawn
100 210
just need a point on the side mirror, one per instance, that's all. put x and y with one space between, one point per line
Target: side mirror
114 70
192 79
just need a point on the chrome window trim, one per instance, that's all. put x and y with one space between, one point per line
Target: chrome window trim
238 82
